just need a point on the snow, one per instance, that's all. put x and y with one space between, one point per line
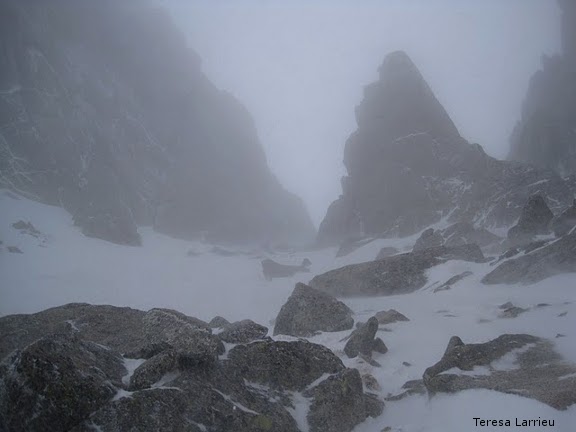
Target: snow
131 365
64 266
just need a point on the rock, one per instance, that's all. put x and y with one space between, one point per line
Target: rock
161 109
308 311
64 382
564 222
55 383
429 239
243 332
361 340
453 280
118 328
408 167
350 245
113 226
191 338
149 350
286 365
390 316
379 346
218 322
386 252
153 369
370 382
487 366
272 269
339 403
512 312
544 135
14 249
463 233
412 387
554 258
397 274
534 220
26 228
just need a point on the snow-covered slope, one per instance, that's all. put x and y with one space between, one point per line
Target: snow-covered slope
60 265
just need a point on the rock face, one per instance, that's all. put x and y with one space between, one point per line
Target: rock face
309 311
488 366
538 264
545 135
397 274
56 374
123 128
408 167
534 219
564 222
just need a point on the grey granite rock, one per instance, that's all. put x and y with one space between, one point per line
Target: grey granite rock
308 311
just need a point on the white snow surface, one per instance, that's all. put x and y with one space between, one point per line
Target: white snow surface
64 266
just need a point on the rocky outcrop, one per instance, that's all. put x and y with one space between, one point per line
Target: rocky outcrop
309 311
545 135
538 264
56 382
172 380
407 168
519 364
363 341
534 220
398 274
122 128
564 222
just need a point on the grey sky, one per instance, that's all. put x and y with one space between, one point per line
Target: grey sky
300 66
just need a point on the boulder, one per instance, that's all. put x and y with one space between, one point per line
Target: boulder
362 340
488 366
308 311
390 316
271 269
153 369
243 332
428 239
56 383
285 365
120 328
339 403
541 263
218 322
397 274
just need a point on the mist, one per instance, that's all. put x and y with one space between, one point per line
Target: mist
300 68
296 216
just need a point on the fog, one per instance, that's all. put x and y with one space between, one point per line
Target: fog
300 67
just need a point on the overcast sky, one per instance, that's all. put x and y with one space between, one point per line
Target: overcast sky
299 66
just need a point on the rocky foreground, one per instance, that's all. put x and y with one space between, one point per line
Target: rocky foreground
82 367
